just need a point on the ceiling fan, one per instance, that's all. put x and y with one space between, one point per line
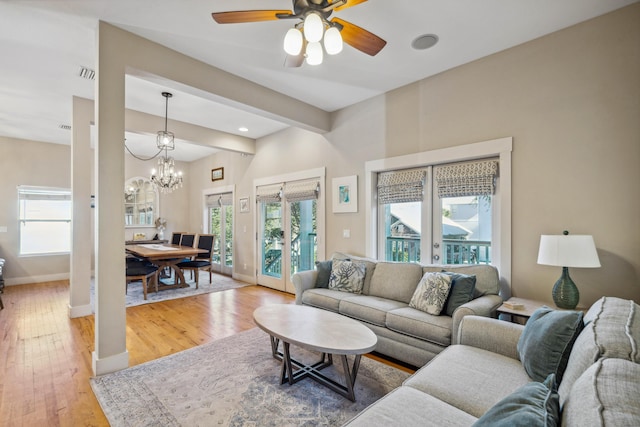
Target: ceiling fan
351 34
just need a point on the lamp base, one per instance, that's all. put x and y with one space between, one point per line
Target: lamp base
565 293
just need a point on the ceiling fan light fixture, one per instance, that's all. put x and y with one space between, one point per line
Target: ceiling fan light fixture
293 42
333 41
314 53
313 27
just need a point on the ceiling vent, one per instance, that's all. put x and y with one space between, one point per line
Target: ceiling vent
65 127
87 73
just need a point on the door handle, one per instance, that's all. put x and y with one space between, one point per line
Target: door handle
436 257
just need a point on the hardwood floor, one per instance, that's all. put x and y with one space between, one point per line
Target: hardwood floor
45 357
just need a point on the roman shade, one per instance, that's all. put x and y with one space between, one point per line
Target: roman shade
269 193
475 178
217 200
401 186
301 190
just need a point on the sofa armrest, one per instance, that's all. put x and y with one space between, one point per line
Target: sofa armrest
485 305
302 281
490 334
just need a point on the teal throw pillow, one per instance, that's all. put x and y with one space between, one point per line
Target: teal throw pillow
324 272
534 404
462 287
347 276
546 341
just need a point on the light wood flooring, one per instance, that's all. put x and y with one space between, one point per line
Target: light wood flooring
45 357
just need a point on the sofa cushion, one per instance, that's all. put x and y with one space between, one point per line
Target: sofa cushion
395 280
419 324
612 331
370 267
368 308
431 293
462 286
469 378
324 272
545 344
347 276
608 392
487 277
533 404
406 406
324 298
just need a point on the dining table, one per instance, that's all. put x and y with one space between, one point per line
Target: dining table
166 255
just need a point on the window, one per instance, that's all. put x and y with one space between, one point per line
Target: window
45 220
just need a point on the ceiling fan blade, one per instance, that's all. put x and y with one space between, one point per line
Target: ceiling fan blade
360 38
248 16
350 3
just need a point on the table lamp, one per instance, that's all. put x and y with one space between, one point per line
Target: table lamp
567 251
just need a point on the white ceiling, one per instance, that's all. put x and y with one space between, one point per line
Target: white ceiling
43 44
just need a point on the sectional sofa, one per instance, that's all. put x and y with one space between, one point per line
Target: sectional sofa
404 333
486 379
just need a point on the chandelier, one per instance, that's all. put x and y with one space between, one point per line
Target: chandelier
307 35
166 178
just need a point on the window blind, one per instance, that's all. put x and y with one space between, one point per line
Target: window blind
269 193
217 200
467 179
301 190
401 186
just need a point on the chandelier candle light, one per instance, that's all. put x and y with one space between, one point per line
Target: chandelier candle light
166 178
313 29
567 251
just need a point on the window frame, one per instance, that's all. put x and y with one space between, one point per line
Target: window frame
500 148
47 193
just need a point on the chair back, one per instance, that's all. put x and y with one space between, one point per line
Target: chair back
205 241
175 238
187 239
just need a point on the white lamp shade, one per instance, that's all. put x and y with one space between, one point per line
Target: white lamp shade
293 42
314 53
333 41
313 28
568 251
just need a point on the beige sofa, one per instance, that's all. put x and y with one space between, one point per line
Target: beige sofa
600 386
404 333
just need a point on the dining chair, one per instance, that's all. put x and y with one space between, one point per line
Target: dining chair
175 238
141 271
187 239
201 261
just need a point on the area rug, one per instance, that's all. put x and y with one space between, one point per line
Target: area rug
234 382
135 295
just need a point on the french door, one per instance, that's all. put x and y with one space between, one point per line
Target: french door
220 216
287 233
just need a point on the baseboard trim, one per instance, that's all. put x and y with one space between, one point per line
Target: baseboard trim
244 278
13 281
80 311
110 364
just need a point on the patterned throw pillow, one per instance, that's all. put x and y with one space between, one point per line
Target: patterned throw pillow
431 293
347 276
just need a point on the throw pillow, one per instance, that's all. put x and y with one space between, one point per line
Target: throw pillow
431 293
347 276
533 404
324 272
546 341
462 287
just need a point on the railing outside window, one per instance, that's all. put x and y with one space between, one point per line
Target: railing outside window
407 249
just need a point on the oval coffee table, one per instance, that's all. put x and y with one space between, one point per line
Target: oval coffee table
317 330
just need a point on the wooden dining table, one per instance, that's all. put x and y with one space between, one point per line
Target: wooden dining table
166 255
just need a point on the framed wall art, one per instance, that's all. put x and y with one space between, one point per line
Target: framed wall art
217 174
244 204
345 194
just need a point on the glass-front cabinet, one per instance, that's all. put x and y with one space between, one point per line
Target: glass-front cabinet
140 203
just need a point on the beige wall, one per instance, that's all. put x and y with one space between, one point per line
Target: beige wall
570 100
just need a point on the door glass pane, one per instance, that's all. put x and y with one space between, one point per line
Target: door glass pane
304 245
402 224
466 230
271 241
216 229
228 236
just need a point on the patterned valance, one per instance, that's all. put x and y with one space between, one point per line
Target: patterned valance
269 193
466 179
301 190
217 200
401 186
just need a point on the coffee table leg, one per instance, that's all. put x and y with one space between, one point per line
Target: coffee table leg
286 374
274 348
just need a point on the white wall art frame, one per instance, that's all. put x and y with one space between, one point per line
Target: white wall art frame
345 194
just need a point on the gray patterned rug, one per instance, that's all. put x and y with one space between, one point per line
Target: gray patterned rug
135 295
233 382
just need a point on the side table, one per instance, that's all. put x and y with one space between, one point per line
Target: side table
528 307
